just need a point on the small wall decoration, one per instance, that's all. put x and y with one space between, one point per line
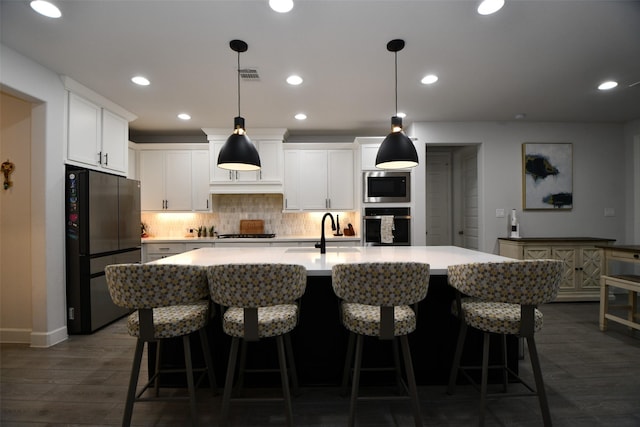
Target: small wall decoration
547 175
7 169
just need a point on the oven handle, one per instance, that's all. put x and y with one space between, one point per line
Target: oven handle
394 217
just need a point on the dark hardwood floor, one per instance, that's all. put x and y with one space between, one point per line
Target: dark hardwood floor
592 379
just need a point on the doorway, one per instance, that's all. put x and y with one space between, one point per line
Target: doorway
452 196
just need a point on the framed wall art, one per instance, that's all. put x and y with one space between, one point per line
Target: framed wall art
547 175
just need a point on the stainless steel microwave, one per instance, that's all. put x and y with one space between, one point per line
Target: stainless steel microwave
386 187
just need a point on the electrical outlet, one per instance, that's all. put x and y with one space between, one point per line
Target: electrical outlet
499 213
609 212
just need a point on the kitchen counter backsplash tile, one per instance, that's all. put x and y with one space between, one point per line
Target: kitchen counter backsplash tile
229 209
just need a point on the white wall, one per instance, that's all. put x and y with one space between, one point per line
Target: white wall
632 175
28 80
599 176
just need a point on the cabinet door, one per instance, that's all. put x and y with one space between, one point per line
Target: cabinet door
271 160
590 268
115 136
177 180
340 179
151 175
84 130
568 256
291 179
216 174
368 153
200 180
313 180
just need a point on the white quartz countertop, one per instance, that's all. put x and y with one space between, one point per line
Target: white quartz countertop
438 257
329 238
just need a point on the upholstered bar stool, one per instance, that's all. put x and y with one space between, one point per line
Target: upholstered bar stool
171 301
502 298
376 302
259 301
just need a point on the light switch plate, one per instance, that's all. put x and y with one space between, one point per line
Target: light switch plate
499 213
609 212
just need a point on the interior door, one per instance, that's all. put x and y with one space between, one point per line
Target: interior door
439 198
470 199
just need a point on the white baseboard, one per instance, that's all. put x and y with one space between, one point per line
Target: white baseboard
48 339
15 336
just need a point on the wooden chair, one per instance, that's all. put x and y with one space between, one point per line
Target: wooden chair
259 301
376 299
501 298
171 301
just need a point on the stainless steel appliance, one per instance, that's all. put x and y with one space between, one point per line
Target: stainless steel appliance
102 228
373 226
386 187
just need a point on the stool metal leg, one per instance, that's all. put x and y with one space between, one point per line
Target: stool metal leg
228 382
346 373
208 360
356 381
190 382
396 365
453 375
293 373
411 380
285 380
485 375
156 383
505 373
537 375
133 383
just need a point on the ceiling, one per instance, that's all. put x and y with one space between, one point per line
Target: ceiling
541 58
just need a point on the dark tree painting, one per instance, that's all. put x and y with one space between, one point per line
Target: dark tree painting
547 175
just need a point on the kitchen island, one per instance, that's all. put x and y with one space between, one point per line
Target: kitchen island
320 340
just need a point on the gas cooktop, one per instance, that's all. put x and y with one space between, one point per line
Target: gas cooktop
246 236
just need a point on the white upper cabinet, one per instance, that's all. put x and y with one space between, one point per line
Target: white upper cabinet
175 180
319 180
165 180
97 131
269 179
200 180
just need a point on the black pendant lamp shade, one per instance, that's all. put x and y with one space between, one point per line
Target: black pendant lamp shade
238 152
397 150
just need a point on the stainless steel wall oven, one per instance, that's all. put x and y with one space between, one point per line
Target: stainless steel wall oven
387 226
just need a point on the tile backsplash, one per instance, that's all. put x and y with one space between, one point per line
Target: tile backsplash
229 209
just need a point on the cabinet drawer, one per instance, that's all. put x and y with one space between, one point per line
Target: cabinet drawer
624 255
192 246
165 248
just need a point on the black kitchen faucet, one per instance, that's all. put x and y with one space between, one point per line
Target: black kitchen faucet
323 243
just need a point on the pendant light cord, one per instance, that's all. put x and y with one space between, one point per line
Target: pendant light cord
239 85
396 65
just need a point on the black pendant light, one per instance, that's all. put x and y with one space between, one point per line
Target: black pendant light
239 153
397 150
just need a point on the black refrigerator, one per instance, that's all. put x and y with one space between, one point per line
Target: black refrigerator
102 227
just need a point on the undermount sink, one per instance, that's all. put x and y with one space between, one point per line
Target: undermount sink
329 249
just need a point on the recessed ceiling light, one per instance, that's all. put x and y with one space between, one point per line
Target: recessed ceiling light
607 85
301 116
401 114
487 7
429 79
294 80
281 6
142 81
184 116
45 8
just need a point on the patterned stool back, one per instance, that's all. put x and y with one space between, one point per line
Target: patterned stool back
528 282
256 285
381 283
143 286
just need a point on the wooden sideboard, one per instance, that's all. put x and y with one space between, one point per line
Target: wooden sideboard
581 256
628 282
